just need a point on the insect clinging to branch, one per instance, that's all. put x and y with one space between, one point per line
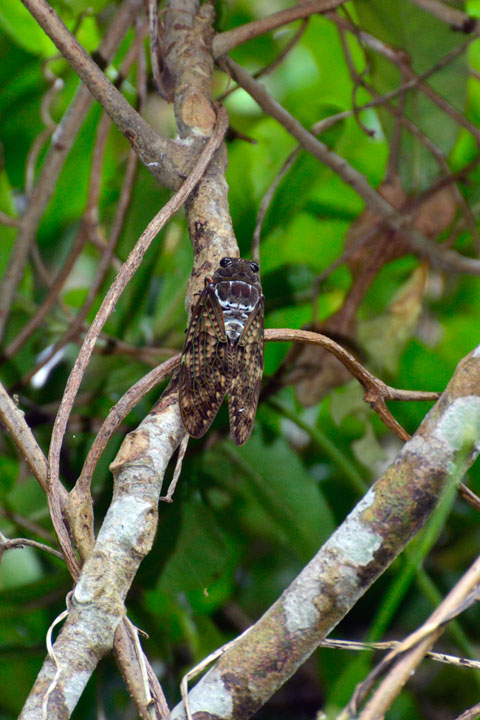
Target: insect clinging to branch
223 351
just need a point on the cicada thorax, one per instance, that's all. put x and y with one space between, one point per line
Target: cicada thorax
223 350
237 300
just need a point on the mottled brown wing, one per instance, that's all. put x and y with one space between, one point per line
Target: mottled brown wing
247 370
204 367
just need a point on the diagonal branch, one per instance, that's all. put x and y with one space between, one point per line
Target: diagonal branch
443 448
446 259
409 653
226 41
165 159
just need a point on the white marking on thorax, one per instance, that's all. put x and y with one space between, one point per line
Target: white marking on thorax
235 314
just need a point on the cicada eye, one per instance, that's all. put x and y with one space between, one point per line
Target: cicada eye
225 262
255 266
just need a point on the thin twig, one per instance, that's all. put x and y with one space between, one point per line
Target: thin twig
14 421
410 652
75 326
27 523
19 543
9 220
376 391
267 199
392 644
147 143
50 127
119 412
86 231
226 41
453 17
178 469
267 69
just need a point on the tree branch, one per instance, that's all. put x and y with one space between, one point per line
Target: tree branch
446 259
410 652
167 160
127 533
226 41
457 19
443 448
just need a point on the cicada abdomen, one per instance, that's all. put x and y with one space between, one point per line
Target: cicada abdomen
223 351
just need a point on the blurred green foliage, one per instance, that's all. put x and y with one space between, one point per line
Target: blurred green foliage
246 520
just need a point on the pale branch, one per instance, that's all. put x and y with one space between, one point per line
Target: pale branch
62 141
226 41
188 57
443 448
446 259
167 160
152 14
126 536
471 714
14 421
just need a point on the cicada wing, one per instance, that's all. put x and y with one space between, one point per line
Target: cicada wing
246 376
204 369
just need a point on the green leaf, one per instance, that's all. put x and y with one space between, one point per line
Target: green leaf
287 494
24 29
202 563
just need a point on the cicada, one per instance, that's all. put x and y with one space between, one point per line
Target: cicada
223 351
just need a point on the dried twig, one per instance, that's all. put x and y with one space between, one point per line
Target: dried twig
14 421
166 159
453 17
178 469
393 644
409 653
